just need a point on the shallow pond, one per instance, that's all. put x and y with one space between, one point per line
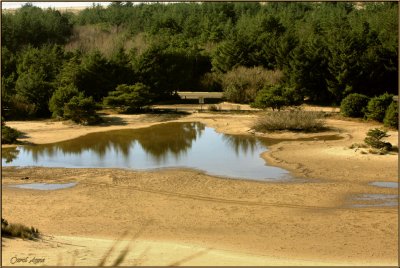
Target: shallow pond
189 145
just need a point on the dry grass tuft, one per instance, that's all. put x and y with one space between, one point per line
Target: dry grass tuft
294 120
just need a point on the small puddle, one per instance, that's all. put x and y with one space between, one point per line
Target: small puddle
385 184
376 200
383 204
376 197
44 186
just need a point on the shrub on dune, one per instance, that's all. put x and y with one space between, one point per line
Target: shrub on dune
294 120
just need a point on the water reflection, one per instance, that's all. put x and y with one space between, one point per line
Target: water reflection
43 186
9 154
191 145
239 143
158 141
169 139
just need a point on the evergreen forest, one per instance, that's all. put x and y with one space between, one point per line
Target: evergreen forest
55 64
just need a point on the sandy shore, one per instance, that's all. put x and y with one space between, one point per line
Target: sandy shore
186 217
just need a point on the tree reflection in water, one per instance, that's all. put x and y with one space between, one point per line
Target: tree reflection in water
9 154
159 141
241 144
171 138
177 144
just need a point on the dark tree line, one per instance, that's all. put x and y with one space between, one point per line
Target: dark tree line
325 51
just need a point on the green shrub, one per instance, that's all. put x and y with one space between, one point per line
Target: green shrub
354 105
276 97
374 139
81 110
132 98
295 120
18 230
9 135
60 97
377 107
392 116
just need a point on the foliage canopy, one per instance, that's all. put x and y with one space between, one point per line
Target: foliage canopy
324 51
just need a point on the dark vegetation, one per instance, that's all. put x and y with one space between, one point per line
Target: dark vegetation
392 116
377 107
382 108
130 98
81 110
276 97
8 135
18 230
272 54
354 105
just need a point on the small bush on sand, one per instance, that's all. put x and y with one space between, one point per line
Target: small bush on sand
18 230
294 120
354 105
374 139
392 116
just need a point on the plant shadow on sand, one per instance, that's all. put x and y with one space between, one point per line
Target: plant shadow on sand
113 121
158 115
149 116
121 257
16 230
123 252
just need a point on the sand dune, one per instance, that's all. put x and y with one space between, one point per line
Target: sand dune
190 218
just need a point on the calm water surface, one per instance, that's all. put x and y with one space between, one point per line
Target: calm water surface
378 200
385 184
44 186
190 145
